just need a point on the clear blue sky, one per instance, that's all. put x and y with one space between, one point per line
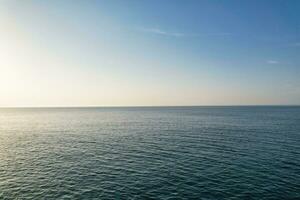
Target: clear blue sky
138 52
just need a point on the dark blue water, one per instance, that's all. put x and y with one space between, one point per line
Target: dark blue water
150 153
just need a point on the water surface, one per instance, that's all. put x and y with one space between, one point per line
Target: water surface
150 153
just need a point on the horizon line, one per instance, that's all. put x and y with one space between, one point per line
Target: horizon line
157 106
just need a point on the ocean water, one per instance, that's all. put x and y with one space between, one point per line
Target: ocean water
150 153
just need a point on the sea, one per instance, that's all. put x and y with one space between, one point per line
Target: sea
209 152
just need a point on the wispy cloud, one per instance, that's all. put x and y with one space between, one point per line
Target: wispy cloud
297 44
272 62
162 32
159 31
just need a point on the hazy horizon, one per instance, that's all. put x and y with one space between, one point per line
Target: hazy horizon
151 106
149 53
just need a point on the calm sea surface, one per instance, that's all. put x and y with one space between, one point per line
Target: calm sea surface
150 153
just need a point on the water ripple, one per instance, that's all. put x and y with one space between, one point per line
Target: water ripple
150 153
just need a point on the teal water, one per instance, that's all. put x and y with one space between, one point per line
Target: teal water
150 153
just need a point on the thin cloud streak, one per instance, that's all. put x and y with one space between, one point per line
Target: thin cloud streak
272 62
297 44
179 34
162 32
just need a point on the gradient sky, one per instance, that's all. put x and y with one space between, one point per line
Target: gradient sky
138 52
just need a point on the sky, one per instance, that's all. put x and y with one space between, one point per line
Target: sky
149 52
